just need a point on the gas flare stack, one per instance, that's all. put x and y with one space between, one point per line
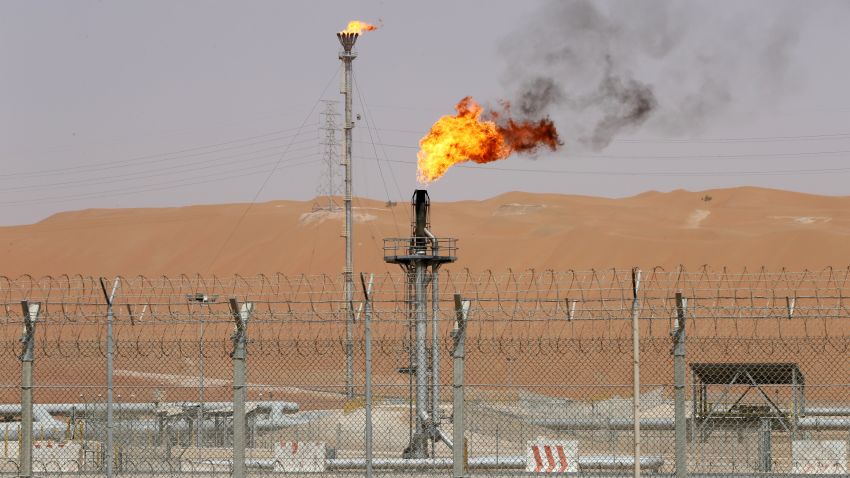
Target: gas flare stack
347 39
421 256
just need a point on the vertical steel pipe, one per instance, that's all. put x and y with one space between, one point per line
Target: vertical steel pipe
347 56
418 450
435 345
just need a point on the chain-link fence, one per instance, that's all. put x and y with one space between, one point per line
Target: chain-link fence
528 373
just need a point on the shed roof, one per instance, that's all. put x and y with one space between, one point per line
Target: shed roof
765 373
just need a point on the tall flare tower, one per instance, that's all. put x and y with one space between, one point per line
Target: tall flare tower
347 55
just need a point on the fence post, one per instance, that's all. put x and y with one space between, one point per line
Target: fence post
679 385
30 315
110 452
367 323
458 355
764 459
636 366
240 316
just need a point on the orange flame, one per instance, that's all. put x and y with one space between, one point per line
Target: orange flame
356 26
467 137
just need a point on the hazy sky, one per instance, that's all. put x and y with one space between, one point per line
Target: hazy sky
168 103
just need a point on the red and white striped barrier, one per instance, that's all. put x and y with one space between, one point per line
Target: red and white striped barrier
299 457
551 456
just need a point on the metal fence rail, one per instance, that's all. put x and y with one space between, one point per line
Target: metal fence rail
755 377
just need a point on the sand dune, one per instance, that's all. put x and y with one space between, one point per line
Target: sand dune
740 227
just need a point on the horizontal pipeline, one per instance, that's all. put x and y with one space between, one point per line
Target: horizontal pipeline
587 462
66 408
591 462
804 423
280 415
826 412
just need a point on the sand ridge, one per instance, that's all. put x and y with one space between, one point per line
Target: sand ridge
741 227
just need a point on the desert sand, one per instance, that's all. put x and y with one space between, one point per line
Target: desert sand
740 227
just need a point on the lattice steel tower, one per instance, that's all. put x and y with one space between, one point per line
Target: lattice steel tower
330 177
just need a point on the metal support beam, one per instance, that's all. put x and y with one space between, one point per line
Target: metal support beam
636 366
110 355
241 314
435 346
458 419
679 386
420 439
367 325
30 315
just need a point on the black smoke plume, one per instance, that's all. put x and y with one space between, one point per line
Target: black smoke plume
602 69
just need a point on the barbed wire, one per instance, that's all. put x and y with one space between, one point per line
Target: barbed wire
828 282
525 304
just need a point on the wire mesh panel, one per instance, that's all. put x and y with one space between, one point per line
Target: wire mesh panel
548 375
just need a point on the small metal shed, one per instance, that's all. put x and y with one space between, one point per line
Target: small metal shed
752 376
